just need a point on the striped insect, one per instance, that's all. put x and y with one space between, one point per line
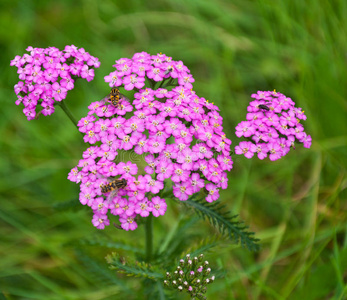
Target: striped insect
113 187
115 97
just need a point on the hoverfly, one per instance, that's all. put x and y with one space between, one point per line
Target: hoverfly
115 97
262 106
113 187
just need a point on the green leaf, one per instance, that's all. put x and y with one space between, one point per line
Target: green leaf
224 221
137 269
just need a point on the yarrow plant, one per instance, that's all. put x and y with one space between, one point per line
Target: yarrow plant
272 126
179 134
177 146
47 74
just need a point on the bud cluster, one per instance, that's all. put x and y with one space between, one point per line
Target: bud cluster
48 74
192 275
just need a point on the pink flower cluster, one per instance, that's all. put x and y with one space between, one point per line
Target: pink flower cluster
176 135
48 74
273 125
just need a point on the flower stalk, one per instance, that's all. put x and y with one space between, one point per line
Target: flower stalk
149 237
68 112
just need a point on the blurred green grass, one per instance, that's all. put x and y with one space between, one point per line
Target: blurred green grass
297 205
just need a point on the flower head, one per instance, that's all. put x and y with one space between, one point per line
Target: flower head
173 135
48 74
273 124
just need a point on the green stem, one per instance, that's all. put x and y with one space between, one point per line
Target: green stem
68 113
152 83
161 83
149 237
170 83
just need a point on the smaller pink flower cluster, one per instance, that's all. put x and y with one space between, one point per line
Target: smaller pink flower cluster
48 74
273 125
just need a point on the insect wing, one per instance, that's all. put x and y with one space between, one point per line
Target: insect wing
112 195
122 97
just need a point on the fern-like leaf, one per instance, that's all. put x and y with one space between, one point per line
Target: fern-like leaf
224 221
203 247
137 269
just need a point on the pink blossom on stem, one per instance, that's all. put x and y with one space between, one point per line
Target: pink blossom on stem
179 134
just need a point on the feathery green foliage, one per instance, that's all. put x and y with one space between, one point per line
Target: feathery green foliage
132 268
217 215
204 246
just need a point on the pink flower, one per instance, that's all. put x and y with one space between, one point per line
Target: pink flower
128 223
182 190
274 150
127 168
158 206
196 182
179 174
143 208
213 193
113 79
152 185
261 150
155 73
246 148
164 169
100 221
132 81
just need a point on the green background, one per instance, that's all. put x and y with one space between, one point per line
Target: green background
297 205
